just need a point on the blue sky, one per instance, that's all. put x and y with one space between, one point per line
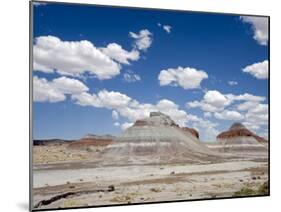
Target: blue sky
204 70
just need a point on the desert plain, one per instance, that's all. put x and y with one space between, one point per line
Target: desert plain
81 174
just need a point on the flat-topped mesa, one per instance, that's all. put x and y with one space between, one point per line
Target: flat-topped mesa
156 119
157 139
94 136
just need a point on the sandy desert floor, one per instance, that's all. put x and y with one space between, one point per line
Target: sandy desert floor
49 154
74 180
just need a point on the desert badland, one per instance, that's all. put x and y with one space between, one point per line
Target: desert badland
154 160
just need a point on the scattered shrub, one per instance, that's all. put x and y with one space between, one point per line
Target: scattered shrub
246 191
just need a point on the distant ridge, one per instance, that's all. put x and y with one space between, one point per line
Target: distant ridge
53 141
92 140
94 136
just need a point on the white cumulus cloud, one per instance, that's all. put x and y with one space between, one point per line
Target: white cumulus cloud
43 91
72 58
69 86
257 114
143 39
247 105
55 90
229 115
258 70
216 99
116 52
245 97
249 108
260 119
187 78
212 101
86 99
129 108
259 26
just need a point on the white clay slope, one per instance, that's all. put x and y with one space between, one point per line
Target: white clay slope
155 140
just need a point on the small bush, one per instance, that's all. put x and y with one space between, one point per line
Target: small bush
246 191
263 189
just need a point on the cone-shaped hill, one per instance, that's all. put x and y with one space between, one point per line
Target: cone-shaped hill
239 134
240 141
156 140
